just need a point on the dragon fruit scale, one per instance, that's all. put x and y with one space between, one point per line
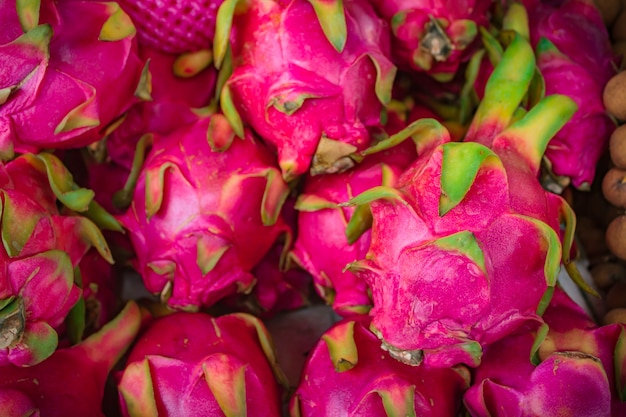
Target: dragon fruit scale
310 77
54 92
72 381
346 374
205 210
191 364
42 248
466 249
434 37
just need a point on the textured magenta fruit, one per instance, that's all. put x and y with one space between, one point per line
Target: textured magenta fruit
468 246
204 213
41 248
348 375
311 77
191 364
63 61
72 381
434 36
174 26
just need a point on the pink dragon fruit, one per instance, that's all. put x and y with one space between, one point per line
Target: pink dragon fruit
331 237
569 328
347 374
434 37
315 104
174 26
467 249
71 382
204 213
54 91
191 364
567 383
41 249
574 58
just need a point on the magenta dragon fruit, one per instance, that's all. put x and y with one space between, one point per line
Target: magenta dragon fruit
206 209
567 383
54 93
346 374
574 58
191 364
471 217
41 249
331 237
72 381
314 104
434 36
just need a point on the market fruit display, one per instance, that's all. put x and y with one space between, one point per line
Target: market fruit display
312 208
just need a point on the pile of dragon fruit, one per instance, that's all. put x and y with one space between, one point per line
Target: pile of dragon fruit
176 174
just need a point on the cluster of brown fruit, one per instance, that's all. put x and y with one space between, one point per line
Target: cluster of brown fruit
614 15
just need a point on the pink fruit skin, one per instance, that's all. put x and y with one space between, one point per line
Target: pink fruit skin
70 64
72 381
199 220
408 19
508 384
171 354
321 247
293 95
174 26
358 391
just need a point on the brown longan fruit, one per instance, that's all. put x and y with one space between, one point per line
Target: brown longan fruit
614 95
614 187
619 49
616 296
616 315
606 274
617 147
616 237
609 9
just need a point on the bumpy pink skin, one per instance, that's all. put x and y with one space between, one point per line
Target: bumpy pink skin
70 65
581 70
508 384
322 248
48 295
72 381
177 347
174 26
272 69
355 392
409 17
205 197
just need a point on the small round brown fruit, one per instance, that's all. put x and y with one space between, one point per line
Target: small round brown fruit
614 95
614 187
616 237
617 147
608 273
616 296
616 315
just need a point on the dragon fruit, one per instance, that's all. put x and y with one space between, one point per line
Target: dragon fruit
331 237
567 383
315 103
467 248
205 210
347 374
41 249
434 37
174 26
55 50
192 364
71 382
